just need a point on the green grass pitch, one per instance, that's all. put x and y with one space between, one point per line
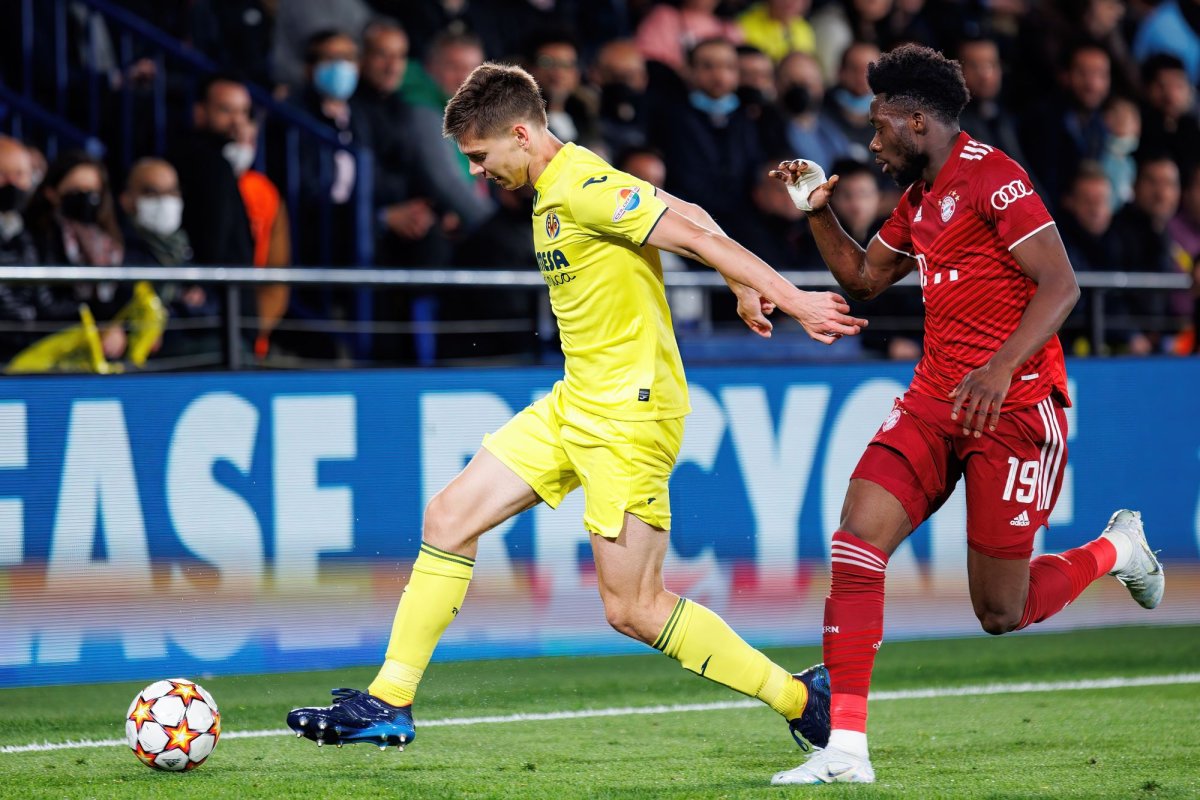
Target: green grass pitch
1130 742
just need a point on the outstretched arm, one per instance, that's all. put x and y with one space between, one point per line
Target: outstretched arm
824 315
864 274
752 307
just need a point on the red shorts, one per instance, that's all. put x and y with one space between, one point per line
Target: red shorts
1013 473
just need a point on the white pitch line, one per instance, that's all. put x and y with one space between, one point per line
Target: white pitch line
629 711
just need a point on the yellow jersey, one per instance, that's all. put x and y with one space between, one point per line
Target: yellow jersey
590 225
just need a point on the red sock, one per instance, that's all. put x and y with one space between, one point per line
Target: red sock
1055 580
853 626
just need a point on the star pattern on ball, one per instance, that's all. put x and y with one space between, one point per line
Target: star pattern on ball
185 690
215 730
141 712
147 758
181 736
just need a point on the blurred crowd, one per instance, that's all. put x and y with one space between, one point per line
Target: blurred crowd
1095 98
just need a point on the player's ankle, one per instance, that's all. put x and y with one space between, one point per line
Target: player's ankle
853 742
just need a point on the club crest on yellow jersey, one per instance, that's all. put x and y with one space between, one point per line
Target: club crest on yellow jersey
552 225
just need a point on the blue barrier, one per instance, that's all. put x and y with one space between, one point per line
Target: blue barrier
238 523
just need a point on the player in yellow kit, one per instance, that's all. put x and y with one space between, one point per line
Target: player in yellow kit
612 425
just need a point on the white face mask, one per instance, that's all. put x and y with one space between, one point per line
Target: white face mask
240 156
159 215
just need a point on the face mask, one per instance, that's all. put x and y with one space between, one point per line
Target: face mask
336 80
797 100
80 206
714 106
159 215
751 96
12 198
240 156
1123 145
854 103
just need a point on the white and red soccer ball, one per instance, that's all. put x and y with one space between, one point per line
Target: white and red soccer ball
173 725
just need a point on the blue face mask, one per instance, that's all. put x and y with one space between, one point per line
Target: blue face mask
336 80
854 103
714 106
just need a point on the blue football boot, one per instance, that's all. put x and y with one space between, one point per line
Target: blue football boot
353 717
811 728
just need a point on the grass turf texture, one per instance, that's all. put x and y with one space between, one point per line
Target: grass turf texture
1141 742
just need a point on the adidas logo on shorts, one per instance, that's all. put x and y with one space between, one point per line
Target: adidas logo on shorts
1020 520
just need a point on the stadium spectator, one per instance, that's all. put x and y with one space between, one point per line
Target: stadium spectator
410 229
328 177
757 93
756 75
553 62
620 80
17 302
448 62
710 145
270 231
296 21
810 129
153 207
1141 244
213 213
72 219
848 103
1123 122
985 117
1169 122
778 27
668 34
777 232
1172 27
1085 223
1062 130
997 285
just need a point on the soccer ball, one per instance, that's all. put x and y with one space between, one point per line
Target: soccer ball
173 725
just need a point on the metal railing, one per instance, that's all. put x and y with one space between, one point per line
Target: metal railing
232 279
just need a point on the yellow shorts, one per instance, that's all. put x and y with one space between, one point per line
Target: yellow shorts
622 466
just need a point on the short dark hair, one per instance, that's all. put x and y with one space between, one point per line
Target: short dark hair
1161 62
212 80
924 77
493 97
712 40
312 45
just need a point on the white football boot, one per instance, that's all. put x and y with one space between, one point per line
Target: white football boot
1143 575
828 766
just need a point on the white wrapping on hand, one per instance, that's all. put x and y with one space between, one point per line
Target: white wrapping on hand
809 180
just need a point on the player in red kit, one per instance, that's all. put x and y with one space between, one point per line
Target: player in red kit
986 401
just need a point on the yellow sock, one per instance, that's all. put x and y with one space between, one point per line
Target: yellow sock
431 600
702 643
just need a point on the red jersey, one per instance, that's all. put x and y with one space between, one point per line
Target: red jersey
961 231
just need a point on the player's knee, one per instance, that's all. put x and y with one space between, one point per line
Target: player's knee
443 524
629 617
998 622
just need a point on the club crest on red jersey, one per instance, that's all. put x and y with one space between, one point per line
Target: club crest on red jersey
949 204
891 421
552 225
